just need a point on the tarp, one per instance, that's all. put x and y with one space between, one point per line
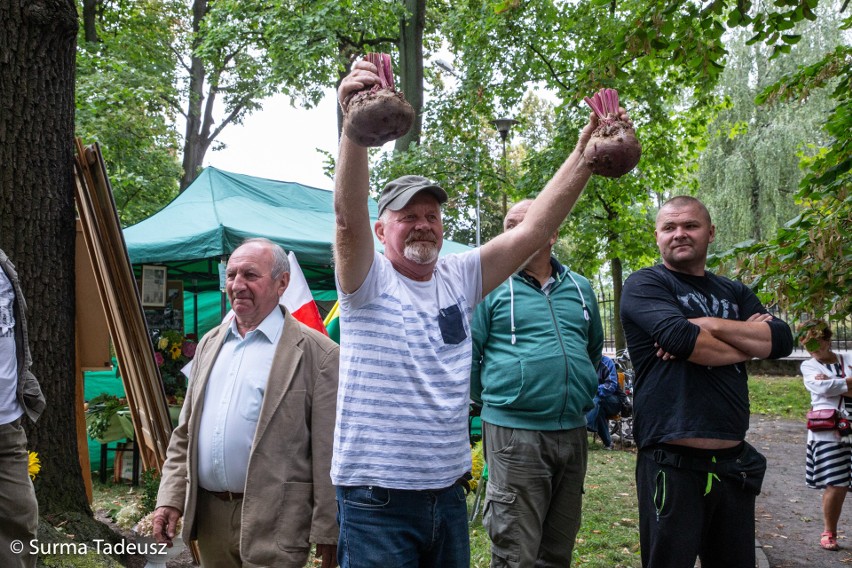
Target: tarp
220 209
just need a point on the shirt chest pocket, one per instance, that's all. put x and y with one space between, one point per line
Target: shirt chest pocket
451 324
251 393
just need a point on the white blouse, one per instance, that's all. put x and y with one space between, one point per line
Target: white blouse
828 393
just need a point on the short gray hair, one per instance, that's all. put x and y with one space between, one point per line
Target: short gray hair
280 262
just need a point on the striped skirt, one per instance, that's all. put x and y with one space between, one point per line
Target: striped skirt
828 463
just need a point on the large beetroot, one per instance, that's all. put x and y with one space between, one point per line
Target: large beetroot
613 149
378 114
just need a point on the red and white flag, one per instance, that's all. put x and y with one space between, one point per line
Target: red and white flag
298 300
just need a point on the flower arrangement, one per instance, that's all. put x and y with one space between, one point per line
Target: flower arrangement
34 464
129 515
172 351
145 525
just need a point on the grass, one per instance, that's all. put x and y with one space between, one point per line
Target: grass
609 534
779 397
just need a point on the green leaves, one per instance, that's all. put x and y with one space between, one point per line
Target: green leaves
126 98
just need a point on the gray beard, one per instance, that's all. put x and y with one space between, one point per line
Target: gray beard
421 253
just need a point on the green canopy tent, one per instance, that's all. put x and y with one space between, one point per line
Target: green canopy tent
205 223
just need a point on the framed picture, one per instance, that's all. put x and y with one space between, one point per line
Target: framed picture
153 285
169 316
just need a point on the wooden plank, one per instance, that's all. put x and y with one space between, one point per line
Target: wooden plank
92 331
120 298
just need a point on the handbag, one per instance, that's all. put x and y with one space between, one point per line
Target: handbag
824 419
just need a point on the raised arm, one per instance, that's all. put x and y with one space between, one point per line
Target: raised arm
505 253
353 237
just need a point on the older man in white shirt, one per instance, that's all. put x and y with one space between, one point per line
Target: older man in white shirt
248 464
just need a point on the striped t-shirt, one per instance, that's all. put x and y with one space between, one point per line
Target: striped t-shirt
402 403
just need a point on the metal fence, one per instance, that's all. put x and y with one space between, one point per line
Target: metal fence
841 339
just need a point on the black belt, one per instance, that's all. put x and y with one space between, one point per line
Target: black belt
224 495
664 456
464 482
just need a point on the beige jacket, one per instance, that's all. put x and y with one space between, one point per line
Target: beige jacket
289 500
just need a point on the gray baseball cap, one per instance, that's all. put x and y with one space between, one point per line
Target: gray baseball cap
397 193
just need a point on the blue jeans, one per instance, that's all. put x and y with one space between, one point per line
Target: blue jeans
598 418
402 528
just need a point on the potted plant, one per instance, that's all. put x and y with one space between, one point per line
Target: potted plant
104 421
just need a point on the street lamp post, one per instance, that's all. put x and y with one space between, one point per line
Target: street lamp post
503 125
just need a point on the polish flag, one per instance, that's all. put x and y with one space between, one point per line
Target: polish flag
298 300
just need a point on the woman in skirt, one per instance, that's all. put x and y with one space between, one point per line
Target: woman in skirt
828 377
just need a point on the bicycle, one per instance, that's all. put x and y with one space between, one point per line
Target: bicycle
623 425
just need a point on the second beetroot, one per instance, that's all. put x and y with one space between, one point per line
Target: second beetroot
613 149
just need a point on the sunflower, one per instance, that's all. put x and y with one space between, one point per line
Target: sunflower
34 465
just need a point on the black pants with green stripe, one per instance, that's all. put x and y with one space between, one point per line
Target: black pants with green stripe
685 513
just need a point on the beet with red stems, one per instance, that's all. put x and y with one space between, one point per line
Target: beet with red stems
378 114
613 149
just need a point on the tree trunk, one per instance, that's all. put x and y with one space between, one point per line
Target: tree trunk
195 145
89 18
411 67
617 287
37 50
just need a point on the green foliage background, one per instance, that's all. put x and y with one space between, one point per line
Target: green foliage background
743 104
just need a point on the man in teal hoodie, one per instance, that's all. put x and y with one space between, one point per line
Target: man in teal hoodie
537 341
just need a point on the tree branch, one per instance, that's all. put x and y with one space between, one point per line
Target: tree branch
230 118
544 60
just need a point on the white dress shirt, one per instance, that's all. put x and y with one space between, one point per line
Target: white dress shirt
232 404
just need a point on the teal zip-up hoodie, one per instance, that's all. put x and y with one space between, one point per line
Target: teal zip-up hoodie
535 355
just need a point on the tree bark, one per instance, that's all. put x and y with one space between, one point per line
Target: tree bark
37 51
411 67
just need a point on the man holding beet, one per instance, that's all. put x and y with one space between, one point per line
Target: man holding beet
401 447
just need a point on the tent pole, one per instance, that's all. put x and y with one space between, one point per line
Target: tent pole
222 310
195 307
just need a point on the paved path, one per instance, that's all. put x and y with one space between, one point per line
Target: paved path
789 515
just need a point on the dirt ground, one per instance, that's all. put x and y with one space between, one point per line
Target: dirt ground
789 514
789 517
